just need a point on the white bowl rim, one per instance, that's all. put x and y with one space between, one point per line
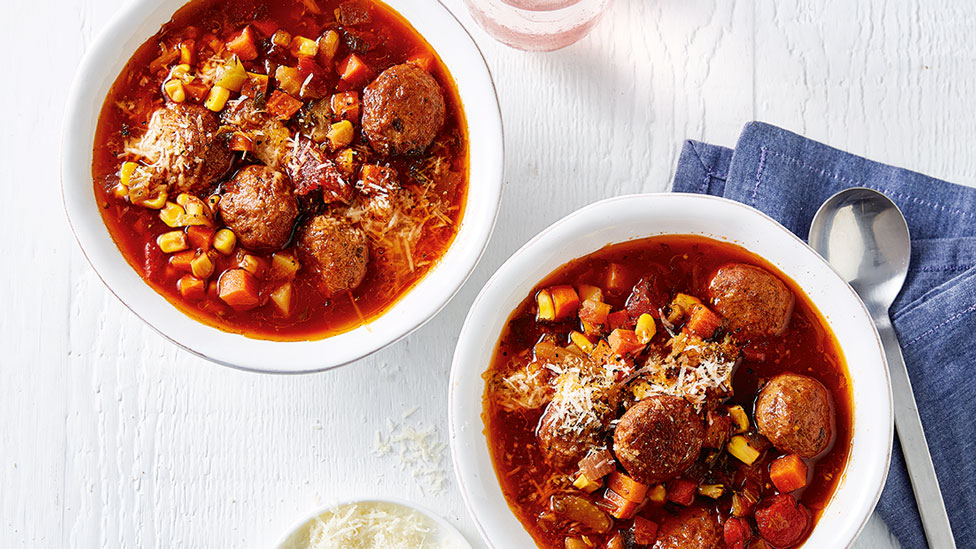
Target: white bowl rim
565 225
440 284
445 528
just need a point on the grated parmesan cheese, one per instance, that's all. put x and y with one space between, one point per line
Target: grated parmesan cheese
370 525
418 451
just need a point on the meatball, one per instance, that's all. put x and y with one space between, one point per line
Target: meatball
754 301
691 528
566 436
335 252
658 438
793 411
183 138
259 206
403 110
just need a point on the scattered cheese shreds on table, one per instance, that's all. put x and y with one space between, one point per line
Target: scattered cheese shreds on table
419 451
372 525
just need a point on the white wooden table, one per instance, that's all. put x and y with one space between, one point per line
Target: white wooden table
112 437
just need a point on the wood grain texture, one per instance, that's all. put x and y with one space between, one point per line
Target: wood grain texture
112 437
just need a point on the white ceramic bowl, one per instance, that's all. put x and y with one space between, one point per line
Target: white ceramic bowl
104 61
630 217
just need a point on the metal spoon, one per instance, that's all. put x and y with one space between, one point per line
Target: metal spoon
864 237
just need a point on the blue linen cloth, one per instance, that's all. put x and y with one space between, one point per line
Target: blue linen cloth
788 177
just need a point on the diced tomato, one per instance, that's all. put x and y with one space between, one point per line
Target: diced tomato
625 342
310 169
703 322
238 141
782 521
315 79
645 531
753 353
282 106
354 70
616 542
594 312
199 237
266 26
421 60
627 487
737 531
788 473
619 319
255 85
647 297
196 89
617 278
239 289
682 491
717 429
242 44
345 105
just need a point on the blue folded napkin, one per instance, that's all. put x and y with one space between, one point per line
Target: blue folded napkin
788 177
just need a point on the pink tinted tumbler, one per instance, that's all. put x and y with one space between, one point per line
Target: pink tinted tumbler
537 25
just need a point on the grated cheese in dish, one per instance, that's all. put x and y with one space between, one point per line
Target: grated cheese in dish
371 525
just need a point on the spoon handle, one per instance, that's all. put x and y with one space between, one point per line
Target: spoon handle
921 471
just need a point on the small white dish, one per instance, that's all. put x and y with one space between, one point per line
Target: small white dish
103 62
638 216
446 536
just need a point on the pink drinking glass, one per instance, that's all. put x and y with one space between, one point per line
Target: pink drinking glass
537 25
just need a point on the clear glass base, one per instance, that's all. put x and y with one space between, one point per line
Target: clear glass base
537 25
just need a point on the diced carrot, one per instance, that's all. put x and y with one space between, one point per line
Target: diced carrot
624 342
421 60
266 26
256 84
602 352
199 237
240 142
282 106
617 278
594 312
564 301
196 89
645 531
788 473
345 105
181 261
616 542
703 322
619 319
354 70
682 492
191 287
618 506
239 289
242 44
627 487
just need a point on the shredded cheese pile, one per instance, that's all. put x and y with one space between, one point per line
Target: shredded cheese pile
372 525
694 370
419 452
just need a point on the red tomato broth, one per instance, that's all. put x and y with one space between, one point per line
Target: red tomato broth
807 347
134 228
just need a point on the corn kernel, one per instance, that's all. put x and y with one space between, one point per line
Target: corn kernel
303 47
740 448
252 265
657 494
281 297
172 214
180 72
739 418
585 484
547 311
590 292
186 51
224 241
217 98
202 266
126 171
194 207
173 241
174 90
340 134
713 491
581 341
281 38
155 203
646 328
183 198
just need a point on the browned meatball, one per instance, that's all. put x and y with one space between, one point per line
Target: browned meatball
335 252
691 528
403 109
566 436
794 413
754 301
658 438
182 141
259 206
